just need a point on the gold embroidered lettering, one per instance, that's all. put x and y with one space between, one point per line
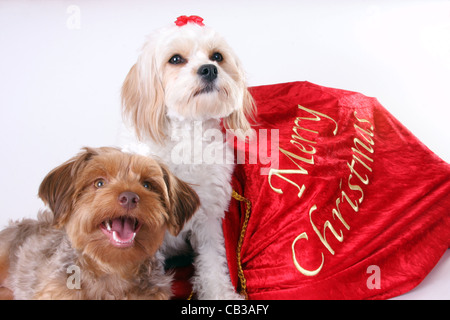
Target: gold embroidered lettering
337 212
298 136
363 120
304 271
291 155
296 141
353 205
365 134
317 118
326 225
355 187
358 150
303 149
278 173
362 162
362 146
352 169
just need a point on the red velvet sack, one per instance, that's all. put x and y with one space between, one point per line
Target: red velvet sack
355 207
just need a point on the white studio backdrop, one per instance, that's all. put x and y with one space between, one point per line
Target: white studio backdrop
62 64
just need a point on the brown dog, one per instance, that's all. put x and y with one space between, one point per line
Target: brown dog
109 213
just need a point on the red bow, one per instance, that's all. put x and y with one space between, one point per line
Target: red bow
183 20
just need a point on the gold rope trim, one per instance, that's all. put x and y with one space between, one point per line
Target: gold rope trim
241 276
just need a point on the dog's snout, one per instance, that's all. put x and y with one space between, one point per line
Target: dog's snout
128 200
208 72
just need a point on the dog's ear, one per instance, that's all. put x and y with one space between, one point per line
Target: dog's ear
57 190
143 99
238 120
182 201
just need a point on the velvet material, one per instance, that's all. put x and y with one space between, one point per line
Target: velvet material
355 208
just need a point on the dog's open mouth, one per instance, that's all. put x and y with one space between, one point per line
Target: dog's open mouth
121 231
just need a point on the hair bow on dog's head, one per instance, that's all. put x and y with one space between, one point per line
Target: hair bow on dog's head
183 20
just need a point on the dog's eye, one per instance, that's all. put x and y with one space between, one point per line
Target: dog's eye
217 56
99 183
177 59
146 185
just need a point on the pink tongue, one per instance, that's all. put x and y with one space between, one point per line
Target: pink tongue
124 228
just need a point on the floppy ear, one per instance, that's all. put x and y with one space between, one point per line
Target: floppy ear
238 120
183 201
57 190
143 98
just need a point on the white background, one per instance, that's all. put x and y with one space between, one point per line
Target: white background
61 73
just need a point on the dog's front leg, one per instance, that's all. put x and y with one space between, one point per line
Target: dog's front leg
212 279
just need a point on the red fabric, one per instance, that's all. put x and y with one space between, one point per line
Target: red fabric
181 285
359 171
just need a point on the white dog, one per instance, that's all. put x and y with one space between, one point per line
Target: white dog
185 82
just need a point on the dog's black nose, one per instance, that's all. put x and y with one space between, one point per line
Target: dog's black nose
208 72
128 200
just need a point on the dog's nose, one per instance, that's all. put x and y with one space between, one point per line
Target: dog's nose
128 200
208 72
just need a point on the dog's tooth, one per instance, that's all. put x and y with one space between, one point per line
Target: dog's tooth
115 237
134 236
108 225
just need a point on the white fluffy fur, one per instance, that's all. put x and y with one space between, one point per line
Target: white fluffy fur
166 113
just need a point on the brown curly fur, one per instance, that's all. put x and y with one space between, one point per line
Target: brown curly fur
35 254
